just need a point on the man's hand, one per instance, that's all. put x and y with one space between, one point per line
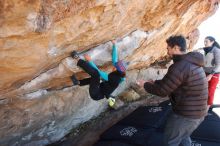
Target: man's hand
140 83
209 77
150 81
87 57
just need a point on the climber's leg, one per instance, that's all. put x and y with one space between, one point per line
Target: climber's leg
94 88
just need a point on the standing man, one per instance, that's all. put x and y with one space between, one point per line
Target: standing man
186 85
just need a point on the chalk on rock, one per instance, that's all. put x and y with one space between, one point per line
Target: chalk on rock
70 63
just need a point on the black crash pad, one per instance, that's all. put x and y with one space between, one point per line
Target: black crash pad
209 129
197 142
145 127
112 143
128 134
212 116
148 116
156 139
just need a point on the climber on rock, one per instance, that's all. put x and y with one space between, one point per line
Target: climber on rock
101 84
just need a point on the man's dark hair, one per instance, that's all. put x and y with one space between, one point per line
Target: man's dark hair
177 40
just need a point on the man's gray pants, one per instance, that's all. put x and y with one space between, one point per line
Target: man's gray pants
178 130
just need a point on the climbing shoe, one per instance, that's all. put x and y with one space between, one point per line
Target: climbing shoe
74 80
74 55
111 102
115 103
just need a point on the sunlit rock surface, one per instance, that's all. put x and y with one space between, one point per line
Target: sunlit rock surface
37 103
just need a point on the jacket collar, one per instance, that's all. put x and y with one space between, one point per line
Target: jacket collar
177 58
207 49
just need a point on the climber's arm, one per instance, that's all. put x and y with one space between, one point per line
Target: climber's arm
114 53
102 74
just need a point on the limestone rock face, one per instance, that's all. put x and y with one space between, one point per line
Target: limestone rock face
37 103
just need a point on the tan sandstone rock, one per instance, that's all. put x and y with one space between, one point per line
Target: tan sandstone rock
37 104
